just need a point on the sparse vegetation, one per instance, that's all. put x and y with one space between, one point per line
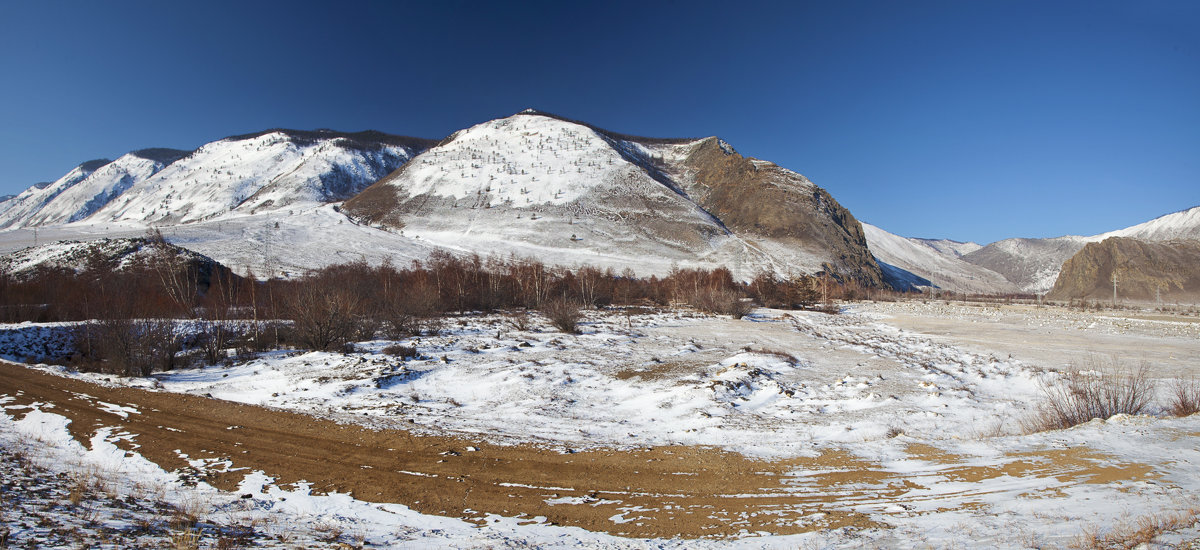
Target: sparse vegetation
1184 397
1101 391
1138 533
131 312
563 313
721 302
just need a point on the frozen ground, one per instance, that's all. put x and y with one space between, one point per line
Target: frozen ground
904 413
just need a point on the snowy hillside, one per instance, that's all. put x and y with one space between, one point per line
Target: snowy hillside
267 171
59 204
78 256
263 172
939 261
1031 264
1034 264
537 185
1184 224
31 201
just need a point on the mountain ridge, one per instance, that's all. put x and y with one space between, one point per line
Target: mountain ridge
532 179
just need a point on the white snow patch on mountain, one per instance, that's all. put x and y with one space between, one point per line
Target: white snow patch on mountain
30 201
270 171
1184 224
937 260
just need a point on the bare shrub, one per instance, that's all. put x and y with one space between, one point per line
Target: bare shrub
564 314
413 312
721 302
1184 397
186 539
323 317
1138 533
398 350
216 337
128 347
519 321
828 308
1079 396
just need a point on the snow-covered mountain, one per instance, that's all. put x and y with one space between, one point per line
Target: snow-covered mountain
539 185
82 192
1146 270
1009 265
531 184
1031 265
106 255
270 170
30 201
1034 264
1184 224
938 261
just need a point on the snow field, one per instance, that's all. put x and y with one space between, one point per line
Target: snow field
935 420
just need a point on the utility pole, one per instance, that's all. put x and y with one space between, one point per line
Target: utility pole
1114 281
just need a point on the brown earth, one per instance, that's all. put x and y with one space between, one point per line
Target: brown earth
760 198
676 491
1145 271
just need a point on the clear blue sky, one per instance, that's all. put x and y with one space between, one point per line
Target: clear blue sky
969 120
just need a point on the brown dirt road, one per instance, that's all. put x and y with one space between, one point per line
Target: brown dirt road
684 492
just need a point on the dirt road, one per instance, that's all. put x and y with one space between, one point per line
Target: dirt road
684 492
677 491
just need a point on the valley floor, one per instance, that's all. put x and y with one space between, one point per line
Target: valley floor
890 425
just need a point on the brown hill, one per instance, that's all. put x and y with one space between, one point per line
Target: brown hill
1145 271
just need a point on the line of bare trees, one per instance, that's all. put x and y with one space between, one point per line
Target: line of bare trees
131 312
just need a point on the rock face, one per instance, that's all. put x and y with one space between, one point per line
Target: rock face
1145 271
758 198
566 192
1031 265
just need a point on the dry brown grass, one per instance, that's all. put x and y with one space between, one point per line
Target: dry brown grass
721 302
1184 397
564 314
1131 534
185 539
1100 391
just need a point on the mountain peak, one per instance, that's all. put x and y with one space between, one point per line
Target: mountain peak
93 165
160 154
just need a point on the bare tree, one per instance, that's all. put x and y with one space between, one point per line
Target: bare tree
324 316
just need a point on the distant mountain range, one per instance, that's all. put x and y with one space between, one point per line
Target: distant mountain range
246 174
531 184
1030 266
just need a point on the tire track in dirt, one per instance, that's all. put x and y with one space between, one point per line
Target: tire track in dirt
654 492
677 491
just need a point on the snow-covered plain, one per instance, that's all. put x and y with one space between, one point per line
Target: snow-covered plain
936 413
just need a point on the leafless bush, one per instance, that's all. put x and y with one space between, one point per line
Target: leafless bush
186 539
721 302
564 314
829 308
398 350
323 317
216 337
1098 392
1138 533
413 313
519 320
1184 397
128 347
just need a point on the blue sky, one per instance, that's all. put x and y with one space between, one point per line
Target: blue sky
965 120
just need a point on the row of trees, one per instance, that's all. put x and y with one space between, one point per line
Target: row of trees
131 308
